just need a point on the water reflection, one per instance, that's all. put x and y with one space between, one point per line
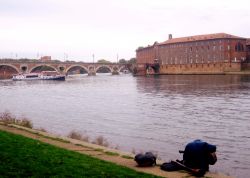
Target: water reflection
204 85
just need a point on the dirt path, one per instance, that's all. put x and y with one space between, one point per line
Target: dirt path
111 155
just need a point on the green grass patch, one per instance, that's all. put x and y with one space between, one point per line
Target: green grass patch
44 136
98 149
77 144
54 138
111 153
25 157
127 157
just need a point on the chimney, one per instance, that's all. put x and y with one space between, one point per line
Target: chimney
170 36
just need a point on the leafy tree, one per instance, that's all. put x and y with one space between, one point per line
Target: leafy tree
123 61
103 61
132 61
140 47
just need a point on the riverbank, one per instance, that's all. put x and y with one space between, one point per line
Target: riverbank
247 72
96 151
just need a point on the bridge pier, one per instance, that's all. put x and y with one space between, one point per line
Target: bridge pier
115 73
91 73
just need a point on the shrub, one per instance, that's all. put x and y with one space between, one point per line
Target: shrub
8 118
25 123
42 129
100 140
78 136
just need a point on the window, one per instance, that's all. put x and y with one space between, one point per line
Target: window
239 47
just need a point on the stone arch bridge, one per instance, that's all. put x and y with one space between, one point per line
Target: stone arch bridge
61 67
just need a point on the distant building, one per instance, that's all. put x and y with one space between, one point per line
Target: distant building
45 58
211 53
248 50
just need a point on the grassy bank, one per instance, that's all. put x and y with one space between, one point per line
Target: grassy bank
24 157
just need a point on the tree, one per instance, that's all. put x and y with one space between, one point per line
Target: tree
103 61
132 61
140 47
123 61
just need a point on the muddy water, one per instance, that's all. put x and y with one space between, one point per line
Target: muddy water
159 114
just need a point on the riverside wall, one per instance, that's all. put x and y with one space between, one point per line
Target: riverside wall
209 68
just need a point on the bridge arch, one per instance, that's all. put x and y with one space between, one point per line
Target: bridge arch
104 66
72 66
7 73
120 69
41 65
11 66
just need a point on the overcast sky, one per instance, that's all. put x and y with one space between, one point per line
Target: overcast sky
105 28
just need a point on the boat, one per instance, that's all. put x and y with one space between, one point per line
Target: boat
44 75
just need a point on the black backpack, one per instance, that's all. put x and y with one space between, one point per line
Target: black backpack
145 160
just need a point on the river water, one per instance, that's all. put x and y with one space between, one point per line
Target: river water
160 114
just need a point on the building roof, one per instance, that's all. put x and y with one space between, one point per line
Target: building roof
201 37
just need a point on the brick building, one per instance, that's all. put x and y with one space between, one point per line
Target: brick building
212 53
248 50
45 58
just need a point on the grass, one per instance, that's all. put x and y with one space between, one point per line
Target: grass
111 153
127 157
25 157
52 138
44 136
98 149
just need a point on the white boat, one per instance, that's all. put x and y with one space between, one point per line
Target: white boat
44 75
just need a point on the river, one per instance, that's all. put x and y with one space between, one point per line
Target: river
160 114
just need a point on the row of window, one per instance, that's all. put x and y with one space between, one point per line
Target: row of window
188 55
239 47
196 59
200 43
195 49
